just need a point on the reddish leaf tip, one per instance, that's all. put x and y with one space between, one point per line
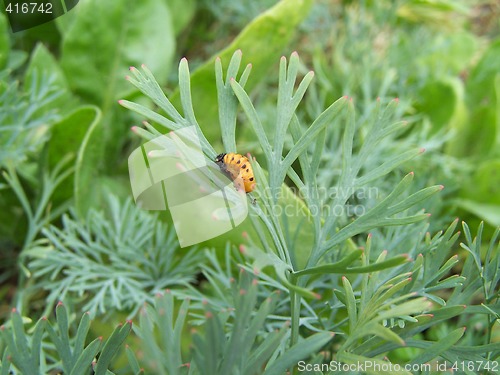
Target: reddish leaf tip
396 100
412 173
184 59
244 234
422 150
295 53
242 249
317 296
441 187
143 66
59 304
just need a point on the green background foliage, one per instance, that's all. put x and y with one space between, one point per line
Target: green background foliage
373 230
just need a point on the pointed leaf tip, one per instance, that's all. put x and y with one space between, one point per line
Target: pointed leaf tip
441 187
422 150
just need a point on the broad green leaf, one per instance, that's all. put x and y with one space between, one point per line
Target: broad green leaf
261 41
43 64
452 52
182 12
435 13
66 138
480 84
87 166
120 36
487 212
442 101
484 185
